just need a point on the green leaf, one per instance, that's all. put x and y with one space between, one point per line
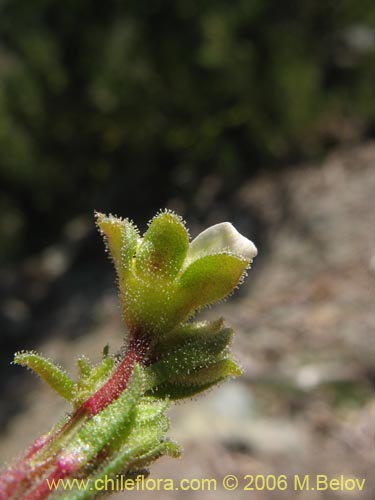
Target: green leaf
194 354
113 423
91 378
150 409
186 333
55 376
163 248
175 391
211 278
144 444
121 237
200 380
103 369
149 305
164 448
128 460
84 367
224 368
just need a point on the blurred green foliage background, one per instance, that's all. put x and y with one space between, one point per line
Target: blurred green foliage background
120 104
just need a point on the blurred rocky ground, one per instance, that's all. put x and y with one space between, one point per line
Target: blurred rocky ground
304 323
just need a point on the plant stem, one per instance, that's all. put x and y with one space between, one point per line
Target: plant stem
117 383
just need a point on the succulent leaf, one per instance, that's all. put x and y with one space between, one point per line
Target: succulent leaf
121 237
188 357
163 248
84 367
222 369
55 376
186 332
174 391
211 278
187 385
150 305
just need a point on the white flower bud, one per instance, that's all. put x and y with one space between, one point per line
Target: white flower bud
221 238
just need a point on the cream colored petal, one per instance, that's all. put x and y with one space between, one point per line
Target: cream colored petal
220 238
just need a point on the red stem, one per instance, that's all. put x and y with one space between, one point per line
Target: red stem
112 389
44 488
